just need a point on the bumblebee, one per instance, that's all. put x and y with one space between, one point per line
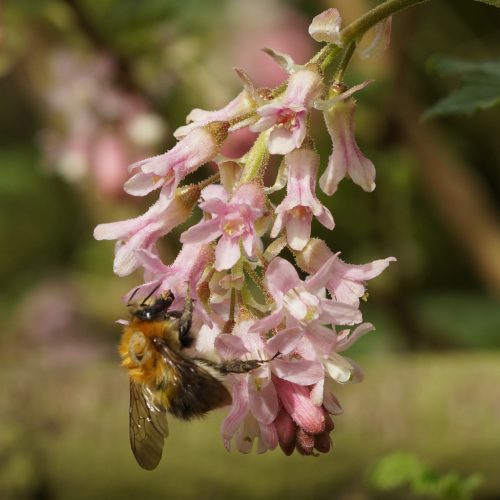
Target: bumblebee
164 379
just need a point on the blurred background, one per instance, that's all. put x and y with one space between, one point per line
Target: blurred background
86 88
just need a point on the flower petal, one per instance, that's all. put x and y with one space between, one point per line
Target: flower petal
239 408
339 314
268 322
281 277
298 231
141 184
264 403
320 278
302 372
230 346
325 27
285 341
227 253
348 341
203 232
281 141
297 402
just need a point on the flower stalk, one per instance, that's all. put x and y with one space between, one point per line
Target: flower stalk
249 302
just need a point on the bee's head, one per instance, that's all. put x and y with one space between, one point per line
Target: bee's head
138 349
154 311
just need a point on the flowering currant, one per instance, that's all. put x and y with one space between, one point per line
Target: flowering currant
251 307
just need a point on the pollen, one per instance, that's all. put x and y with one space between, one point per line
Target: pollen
299 212
233 227
286 118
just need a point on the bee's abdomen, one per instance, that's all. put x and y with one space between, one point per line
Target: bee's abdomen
197 393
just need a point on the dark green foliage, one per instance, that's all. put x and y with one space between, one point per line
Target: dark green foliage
480 86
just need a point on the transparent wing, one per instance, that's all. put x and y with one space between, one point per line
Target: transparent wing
147 427
196 389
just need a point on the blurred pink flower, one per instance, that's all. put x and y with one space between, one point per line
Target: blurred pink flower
283 29
232 219
296 210
99 128
108 160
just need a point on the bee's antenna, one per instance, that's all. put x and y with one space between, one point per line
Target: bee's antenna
150 294
132 296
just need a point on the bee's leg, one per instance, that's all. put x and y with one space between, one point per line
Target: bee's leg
242 366
185 337
238 365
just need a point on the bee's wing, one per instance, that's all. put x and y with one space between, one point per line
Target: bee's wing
147 427
198 389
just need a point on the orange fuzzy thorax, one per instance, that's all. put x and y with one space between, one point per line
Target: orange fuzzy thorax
141 357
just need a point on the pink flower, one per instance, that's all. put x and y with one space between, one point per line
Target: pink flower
300 424
300 204
254 394
346 158
186 269
109 158
287 113
302 302
255 403
232 219
346 282
242 104
339 368
167 170
142 232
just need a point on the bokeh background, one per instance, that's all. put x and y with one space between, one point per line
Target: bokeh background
86 88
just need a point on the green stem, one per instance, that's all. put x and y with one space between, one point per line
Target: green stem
344 62
359 27
351 33
257 159
259 155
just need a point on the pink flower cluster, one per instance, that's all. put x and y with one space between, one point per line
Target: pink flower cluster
250 303
98 128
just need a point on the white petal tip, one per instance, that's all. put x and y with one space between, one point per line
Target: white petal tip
325 27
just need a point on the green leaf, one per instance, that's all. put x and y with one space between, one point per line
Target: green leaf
494 3
480 86
404 471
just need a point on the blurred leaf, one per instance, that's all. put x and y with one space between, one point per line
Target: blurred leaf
494 3
472 319
137 25
41 224
406 470
480 87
